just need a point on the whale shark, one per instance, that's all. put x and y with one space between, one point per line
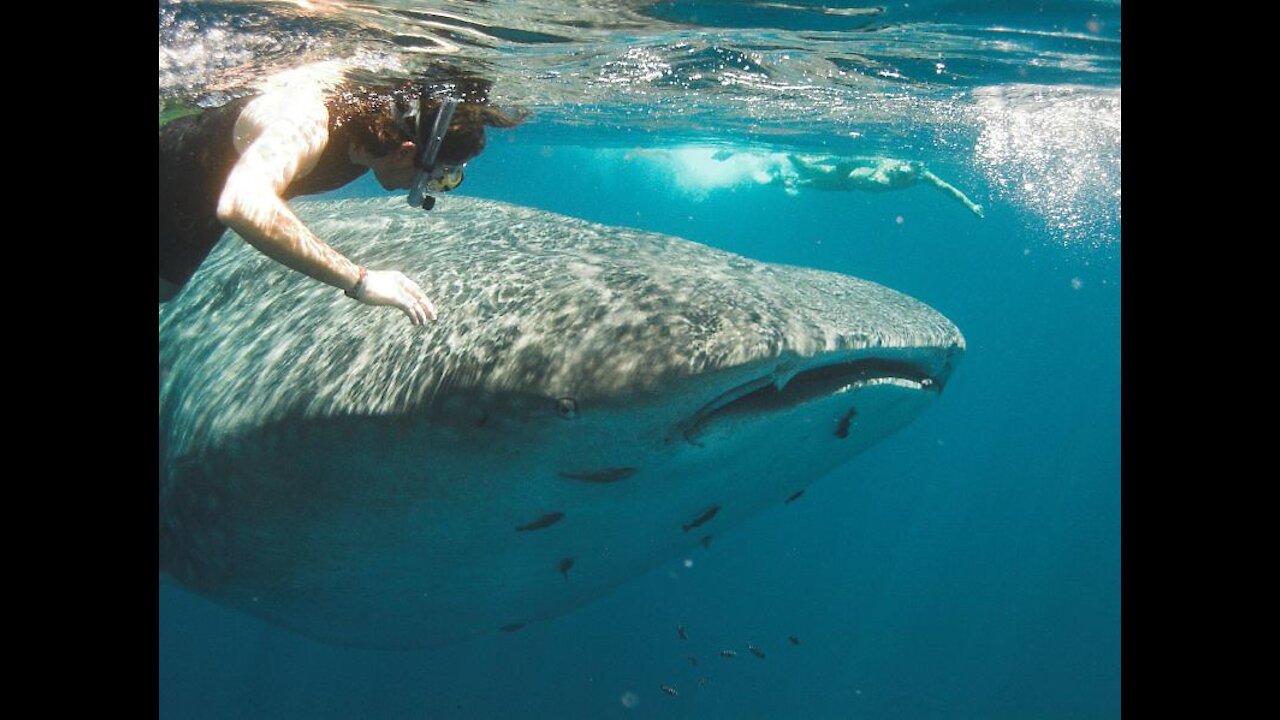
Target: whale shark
592 401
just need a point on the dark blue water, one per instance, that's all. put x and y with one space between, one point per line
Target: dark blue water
967 567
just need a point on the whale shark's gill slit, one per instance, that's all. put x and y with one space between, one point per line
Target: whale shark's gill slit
606 475
763 395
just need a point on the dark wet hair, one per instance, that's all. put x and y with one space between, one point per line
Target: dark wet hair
367 115
466 133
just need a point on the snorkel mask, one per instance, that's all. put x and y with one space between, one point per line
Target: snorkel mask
430 176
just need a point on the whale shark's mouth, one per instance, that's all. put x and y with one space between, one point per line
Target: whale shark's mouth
783 390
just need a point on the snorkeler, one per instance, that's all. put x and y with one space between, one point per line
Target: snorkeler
872 174
309 132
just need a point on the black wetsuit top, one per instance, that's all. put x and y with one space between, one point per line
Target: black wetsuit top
196 156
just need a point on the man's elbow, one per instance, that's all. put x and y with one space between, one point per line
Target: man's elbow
230 209
240 205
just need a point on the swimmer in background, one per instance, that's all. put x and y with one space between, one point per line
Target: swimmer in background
871 174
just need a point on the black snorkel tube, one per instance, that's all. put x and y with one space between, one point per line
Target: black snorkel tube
429 139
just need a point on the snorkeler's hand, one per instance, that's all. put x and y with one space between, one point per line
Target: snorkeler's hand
390 287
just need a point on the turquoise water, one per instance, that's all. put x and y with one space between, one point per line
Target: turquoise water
966 567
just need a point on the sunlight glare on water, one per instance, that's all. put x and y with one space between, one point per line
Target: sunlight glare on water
1055 150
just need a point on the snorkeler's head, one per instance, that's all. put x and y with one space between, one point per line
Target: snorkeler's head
432 173
905 169
386 123
420 134
417 141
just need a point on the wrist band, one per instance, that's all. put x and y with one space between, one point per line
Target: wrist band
354 292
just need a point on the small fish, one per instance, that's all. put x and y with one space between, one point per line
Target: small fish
607 475
705 516
794 640
511 627
565 564
702 682
680 631
706 541
693 659
755 651
728 654
795 496
842 427
670 691
543 522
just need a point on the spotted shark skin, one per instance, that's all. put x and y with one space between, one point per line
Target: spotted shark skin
331 468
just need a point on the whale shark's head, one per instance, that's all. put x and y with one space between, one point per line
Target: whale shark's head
591 402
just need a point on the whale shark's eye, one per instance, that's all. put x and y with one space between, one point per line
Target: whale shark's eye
567 408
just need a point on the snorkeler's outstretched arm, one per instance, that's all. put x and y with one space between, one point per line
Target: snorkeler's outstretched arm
275 148
951 190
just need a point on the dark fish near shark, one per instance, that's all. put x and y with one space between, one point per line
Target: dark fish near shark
330 468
